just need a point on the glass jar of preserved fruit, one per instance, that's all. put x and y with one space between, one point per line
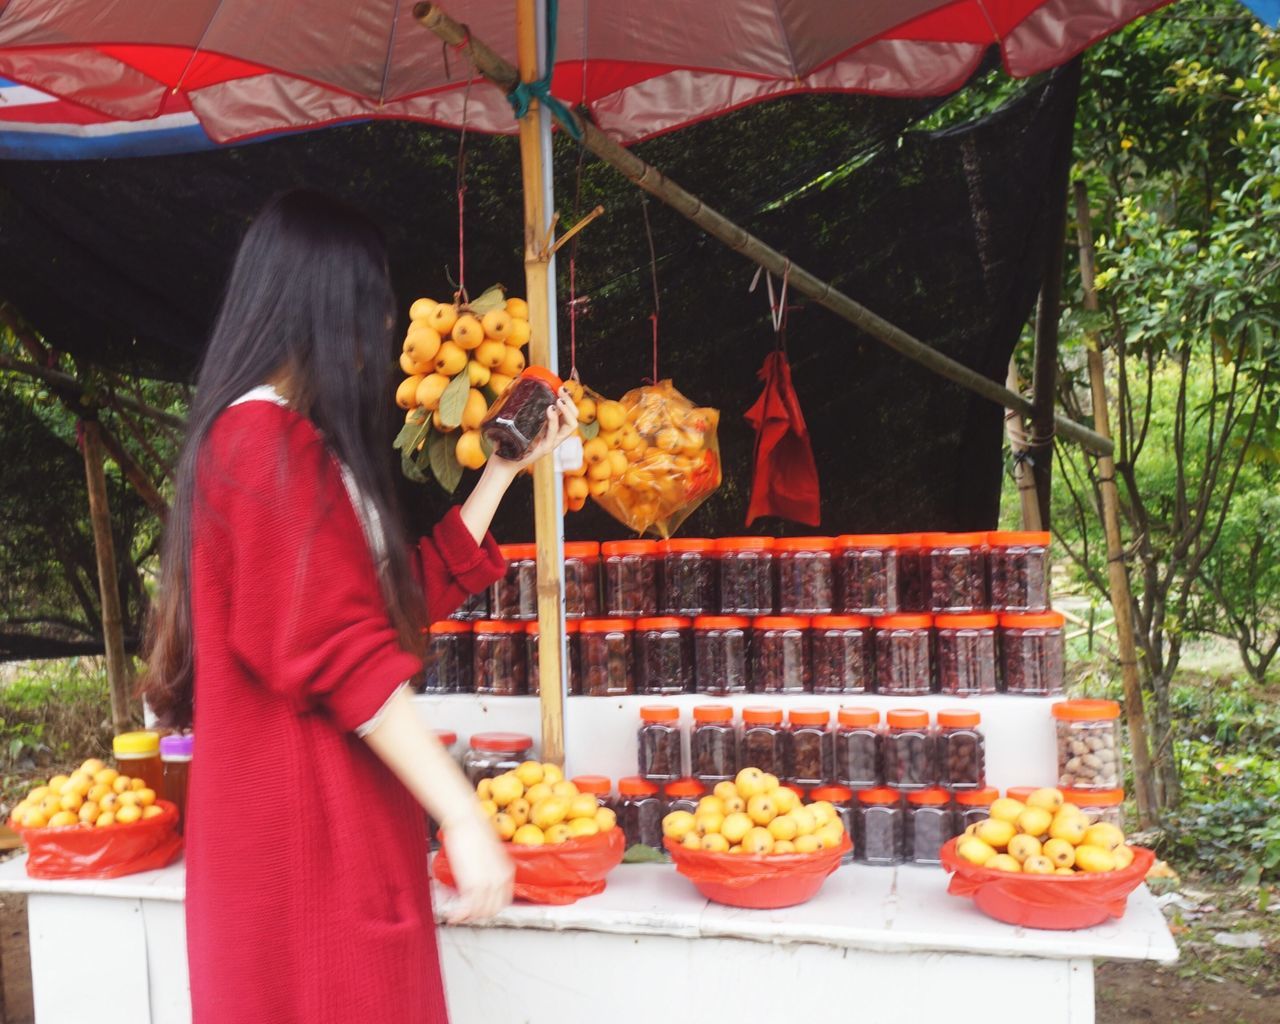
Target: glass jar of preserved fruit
810 752
518 419
714 744
806 575
908 750
604 654
498 658
690 572
974 805
175 771
581 579
137 755
840 650
857 748
961 750
661 743
957 572
966 653
630 577
720 654
515 596
841 798
764 740
1088 744
879 830
664 655
599 786
683 795
780 648
1099 804
913 573
640 812
1032 653
533 661
746 575
491 754
867 573
902 655
474 606
1019 568
448 666
930 823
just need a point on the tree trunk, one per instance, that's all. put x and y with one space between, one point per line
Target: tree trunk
1168 783
119 677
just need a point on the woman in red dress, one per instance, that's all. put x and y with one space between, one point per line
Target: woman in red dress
288 619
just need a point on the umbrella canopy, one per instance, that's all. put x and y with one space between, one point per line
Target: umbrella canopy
245 68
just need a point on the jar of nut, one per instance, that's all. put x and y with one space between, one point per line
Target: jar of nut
1088 744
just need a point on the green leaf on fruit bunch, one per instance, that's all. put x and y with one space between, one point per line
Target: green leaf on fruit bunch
485 446
409 466
589 430
411 434
642 854
444 462
453 402
491 299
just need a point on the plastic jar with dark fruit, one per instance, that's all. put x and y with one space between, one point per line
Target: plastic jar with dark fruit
930 823
902 655
858 740
630 577
664 655
806 575
780 655
908 751
533 662
689 577
518 419
582 579
661 743
683 795
515 596
974 805
599 786
966 653
720 654
913 573
810 751
605 656
746 575
764 740
714 744
1019 571
498 658
867 573
474 606
640 812
957 572
448 666
1033 652
490 754
842 799
841 652
879 828
961 750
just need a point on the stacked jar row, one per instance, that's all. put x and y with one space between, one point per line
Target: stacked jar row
897 655
863 574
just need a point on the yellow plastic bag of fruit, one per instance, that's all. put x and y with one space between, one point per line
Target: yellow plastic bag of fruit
663 456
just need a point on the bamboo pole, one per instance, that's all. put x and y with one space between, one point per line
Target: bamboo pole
1044 377
1121 597
1022 477
649 178
548 517
118 675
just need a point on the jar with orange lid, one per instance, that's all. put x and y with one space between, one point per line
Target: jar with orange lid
604 652
683 795
840 647
810 751
746 575
490 754
1099 804
764 740
961 750
780 655
841 798
689 577
1032 653
498 666
930 823
474 606
137 755
806 575
908 752
857 748
902 645
974 805
515 596
532 633
879 835
720 654
640 812
599 786
867 573
1019 570
1088 744
518 419
581 579
966 653
957 571
448 667
714 744
664 654
1020 793
630 577
661 743
913 573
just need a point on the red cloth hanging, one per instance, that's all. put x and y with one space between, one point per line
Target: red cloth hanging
785 480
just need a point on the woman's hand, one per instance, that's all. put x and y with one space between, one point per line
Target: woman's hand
482 870
562 421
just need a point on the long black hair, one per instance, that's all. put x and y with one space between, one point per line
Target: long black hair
309 298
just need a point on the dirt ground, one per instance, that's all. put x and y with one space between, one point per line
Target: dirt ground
16 959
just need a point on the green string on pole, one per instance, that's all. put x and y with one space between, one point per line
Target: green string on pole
540 88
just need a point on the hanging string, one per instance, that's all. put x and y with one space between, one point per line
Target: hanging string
540 88
653 275
461 185
778 308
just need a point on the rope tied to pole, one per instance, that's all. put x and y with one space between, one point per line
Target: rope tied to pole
524 94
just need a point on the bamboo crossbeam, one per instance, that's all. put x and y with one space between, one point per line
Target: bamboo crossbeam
58 379
496 68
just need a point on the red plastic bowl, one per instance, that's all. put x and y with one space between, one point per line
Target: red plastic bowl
558 874
1055 902
757 883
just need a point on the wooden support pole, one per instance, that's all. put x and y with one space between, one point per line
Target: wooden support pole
546 506
1044 378
1022 477
714 223
119 677
1118 574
